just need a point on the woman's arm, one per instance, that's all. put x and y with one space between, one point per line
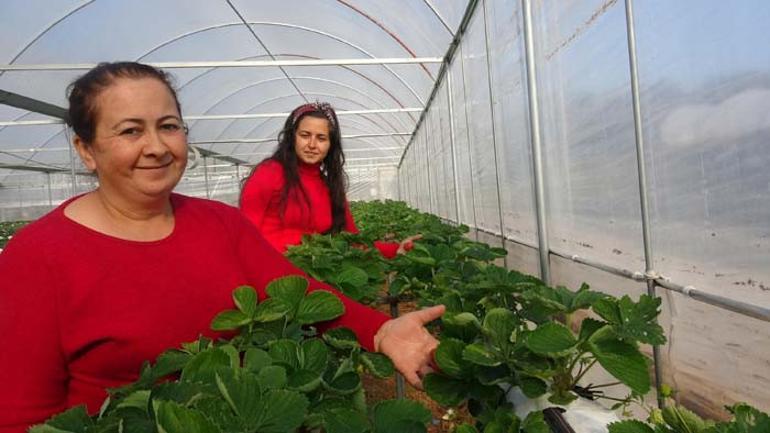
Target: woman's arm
260 190
33 373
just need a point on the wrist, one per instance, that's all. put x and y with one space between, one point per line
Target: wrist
378 337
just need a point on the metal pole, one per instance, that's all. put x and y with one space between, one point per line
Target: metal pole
73 177
537 158
206 176
50 196
470 154
639 138
427 162
450 102
494 140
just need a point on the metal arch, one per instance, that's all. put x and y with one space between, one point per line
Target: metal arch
264 47
50 26
371 98
322 94
265 121
295 27
282 97
386 91
386 30
438 15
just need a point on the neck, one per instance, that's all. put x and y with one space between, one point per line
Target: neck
122 211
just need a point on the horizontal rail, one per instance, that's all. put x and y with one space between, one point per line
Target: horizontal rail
235 64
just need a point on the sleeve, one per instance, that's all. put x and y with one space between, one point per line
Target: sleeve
350 225
258 192
388 250
33 370
262 264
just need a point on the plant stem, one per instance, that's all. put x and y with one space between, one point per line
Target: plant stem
582 373
605 385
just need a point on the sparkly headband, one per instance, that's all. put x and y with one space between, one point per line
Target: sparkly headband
321 107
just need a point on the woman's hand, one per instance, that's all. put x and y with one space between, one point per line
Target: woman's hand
407 244
408 344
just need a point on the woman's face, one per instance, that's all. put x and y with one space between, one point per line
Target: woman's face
311 140
139 149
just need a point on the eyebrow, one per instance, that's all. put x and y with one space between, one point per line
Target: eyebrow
137 120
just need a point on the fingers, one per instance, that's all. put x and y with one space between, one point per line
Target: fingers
413 379
430 314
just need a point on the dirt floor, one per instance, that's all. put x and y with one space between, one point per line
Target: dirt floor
444 420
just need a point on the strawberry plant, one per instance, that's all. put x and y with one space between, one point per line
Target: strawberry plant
275 375
8 229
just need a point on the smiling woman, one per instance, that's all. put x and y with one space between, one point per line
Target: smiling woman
111 278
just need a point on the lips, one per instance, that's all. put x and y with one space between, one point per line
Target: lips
155 167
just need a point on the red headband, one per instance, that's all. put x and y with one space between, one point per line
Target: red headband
321 107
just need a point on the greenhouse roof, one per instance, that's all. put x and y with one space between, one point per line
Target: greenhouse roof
240 67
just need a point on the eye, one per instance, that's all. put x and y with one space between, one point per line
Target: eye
170 127
130 131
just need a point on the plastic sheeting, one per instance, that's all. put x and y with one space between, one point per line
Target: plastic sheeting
705 86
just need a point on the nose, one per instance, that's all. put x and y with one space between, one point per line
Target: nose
154 143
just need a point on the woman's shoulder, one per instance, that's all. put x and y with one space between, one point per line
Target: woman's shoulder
49 229
268 174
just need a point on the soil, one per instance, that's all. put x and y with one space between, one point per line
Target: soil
444 420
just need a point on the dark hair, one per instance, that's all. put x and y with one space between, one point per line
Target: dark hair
331 168
82 93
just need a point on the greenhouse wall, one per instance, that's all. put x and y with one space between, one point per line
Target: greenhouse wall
704 95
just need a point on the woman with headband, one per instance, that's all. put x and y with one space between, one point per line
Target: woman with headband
300 189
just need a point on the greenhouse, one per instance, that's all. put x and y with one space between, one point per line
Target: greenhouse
616 145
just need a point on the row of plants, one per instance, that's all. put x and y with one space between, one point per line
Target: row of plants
502 329
275 375
8 229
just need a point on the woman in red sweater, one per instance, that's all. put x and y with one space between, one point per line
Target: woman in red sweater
111 278
300 189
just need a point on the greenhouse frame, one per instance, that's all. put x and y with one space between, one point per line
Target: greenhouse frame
618 143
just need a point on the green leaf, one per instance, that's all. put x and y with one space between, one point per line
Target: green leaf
465 428
378 364
285 352
346 383
551 339
390 415
272 377
283 411
588 326
463 326
477 353
449 357
746 419
304 381
447 391
242 393
681 419
532 387
272 309
75 420
344 420
228 320
319 306
203 366
621 360
180 392
315 355
341 338
290 289
500 325
535 423
352 276
607 309
629 426
245 298
256 359
170 417
639 320
139 399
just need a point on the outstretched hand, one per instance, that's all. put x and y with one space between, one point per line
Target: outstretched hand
407 244
408 344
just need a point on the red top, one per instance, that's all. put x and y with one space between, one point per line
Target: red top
81 311
260 204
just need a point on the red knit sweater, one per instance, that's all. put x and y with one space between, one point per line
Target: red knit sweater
260 204
81 311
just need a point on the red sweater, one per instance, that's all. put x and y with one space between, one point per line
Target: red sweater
260 204
81 311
